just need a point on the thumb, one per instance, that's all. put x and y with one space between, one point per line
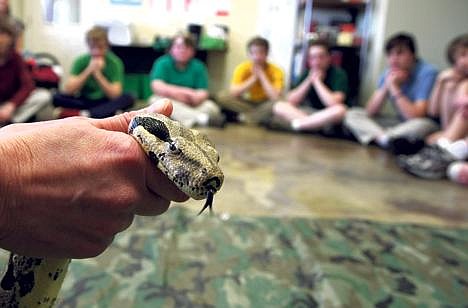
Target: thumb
119 123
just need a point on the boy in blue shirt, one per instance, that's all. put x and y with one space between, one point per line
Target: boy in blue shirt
407 82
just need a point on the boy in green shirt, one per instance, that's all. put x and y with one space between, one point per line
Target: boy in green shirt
95 86
184 79
318 100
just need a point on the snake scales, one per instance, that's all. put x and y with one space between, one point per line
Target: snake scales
185 156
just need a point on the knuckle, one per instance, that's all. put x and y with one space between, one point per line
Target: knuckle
117 224
163 207
128 153
127 199
126 222
121 198
156 208
91 249
98 247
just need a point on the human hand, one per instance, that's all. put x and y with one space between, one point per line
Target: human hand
68 186
394 80
316 75
96 64
6 111
197 97
449 74
257 70
397 76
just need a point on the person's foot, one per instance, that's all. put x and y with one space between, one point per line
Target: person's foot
405 146
296 125
276 123
217 120
429 163
246 118
231 116
214 120
458 172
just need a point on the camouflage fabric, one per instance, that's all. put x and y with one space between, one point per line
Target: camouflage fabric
183 260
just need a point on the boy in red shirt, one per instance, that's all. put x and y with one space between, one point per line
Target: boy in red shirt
19 100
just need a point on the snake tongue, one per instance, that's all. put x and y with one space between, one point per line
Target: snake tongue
209 201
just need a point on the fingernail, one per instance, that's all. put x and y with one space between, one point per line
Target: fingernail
157 106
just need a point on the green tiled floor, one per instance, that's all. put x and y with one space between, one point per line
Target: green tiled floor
184 260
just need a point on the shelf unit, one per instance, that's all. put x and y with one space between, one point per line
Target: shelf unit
303 22
321 19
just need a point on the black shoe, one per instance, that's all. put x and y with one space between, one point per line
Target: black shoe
231 116
429 163
218 120
405 146
278 124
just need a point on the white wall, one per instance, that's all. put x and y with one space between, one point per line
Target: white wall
67 41
276 23
16 7
434 23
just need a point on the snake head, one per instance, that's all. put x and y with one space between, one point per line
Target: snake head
185 156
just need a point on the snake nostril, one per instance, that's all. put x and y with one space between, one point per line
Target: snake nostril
213 182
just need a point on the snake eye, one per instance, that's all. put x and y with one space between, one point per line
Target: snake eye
152 125
172 147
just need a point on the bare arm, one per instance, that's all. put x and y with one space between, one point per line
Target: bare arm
376 101
161 88
297 95
408 108
111 89
76 82
198 96
185 95
445 83
327 96
272 93
461 97
238 90
433 109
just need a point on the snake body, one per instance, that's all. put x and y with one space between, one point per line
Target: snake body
184 155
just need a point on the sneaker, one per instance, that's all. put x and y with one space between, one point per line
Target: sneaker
217 120
429 163
405 146
246 118
231 116
277 123
458 172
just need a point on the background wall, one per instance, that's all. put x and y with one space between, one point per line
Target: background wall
434 23
276 21
16 7
66 41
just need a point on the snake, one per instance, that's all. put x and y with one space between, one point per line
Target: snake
186 156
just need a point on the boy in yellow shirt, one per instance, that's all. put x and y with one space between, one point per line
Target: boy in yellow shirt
256 84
